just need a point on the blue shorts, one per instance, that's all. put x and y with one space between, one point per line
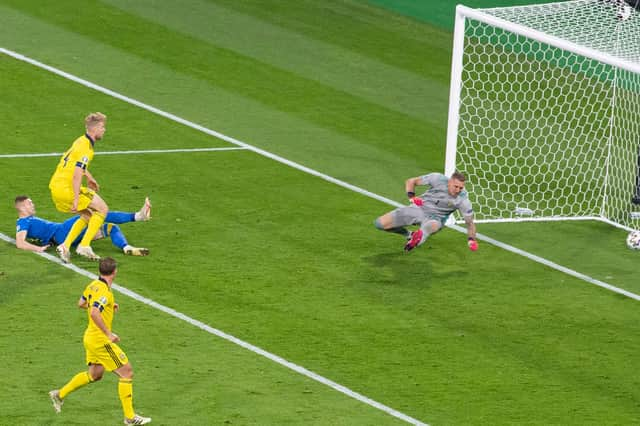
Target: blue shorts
63 231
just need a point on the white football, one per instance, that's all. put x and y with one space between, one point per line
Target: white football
633 240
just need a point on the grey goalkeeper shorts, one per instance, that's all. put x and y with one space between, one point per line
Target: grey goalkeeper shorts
414 215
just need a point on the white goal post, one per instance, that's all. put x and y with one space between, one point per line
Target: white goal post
544 111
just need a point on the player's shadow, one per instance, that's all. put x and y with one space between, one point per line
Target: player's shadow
399 268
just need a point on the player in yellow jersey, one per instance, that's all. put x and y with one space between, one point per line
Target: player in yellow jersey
101 347
70 196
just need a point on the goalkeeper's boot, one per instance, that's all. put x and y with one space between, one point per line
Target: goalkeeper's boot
56 400
135 251
416 237
63 253
87 251
145 212
137 420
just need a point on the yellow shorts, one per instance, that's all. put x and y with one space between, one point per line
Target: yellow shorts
109 355
63 198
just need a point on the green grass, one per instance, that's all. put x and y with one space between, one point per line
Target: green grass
279 258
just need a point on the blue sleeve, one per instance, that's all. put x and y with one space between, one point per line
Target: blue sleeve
22 224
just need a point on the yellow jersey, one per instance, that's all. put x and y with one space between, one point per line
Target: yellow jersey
98 295
79 155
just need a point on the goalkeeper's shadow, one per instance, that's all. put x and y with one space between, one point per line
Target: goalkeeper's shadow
405 269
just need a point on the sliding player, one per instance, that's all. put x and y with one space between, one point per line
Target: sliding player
31 229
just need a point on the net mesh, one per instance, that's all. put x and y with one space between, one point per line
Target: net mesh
544 132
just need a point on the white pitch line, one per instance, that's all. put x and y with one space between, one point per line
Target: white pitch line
191 124
551 264
302 168
145 151
255 349
309 171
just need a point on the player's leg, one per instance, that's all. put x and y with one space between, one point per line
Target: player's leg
145 211
99 209
93 355
120 217
78 227
119 240
57 395
64 229
141 215
63 199
125 392
428 227
81 379
396 220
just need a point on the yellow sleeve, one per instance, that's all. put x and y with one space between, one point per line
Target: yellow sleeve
80 154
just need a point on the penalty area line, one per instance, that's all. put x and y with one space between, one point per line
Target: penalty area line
230 338
141 151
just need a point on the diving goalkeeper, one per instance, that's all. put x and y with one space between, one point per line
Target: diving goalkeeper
430 210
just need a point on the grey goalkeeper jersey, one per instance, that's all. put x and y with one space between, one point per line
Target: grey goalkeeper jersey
437 200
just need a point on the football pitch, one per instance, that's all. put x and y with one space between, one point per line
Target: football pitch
269 135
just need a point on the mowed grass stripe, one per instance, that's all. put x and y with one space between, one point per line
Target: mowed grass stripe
308 55
193 125
267 154
171 86
259 351
504 293
183 376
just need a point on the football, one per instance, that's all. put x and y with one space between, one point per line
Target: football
633 240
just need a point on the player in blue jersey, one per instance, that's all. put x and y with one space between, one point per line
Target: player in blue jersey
37 234
430 210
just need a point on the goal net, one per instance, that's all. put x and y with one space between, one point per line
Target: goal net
544 114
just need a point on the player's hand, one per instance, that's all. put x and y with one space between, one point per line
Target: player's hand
472 243
417 201
114 338
44 248
74 206
92 184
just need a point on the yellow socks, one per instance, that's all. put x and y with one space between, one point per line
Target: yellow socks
96 221
78 381
125 391
75 230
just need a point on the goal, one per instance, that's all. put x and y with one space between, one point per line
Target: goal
544 111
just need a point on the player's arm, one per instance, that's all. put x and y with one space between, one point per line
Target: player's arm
410 186
78 172
471 227
82 302
471 233
91 182
99 322
23 244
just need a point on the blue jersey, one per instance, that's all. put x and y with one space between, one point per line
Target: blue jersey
43 231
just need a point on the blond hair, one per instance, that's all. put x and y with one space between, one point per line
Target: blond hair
93 119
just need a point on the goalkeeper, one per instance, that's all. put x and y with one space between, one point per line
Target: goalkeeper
431 209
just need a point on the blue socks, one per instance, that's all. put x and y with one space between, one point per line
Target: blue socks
120 217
